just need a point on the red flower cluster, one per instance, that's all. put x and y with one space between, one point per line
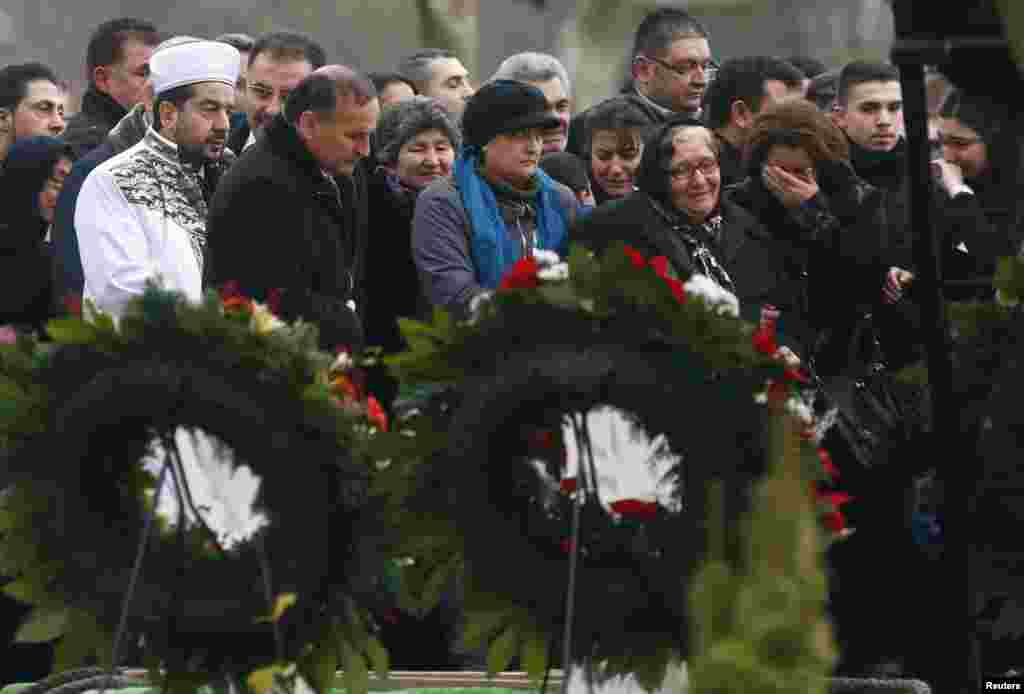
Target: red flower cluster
659 264
375 413
522 275
636 508
349 387
833 518
73 304
233 299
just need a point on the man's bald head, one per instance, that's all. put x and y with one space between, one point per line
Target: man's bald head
335 111
324 88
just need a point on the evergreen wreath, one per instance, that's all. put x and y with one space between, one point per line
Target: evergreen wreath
621 332
83 413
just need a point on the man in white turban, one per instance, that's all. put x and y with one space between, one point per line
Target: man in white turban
141 216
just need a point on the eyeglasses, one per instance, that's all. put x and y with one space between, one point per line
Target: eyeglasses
709 67
684 172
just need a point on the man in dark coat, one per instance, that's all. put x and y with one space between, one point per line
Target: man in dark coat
670 69
117 60
288 221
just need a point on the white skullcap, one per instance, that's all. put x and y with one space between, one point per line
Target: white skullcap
192 62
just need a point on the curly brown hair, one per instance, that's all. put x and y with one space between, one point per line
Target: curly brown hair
795 123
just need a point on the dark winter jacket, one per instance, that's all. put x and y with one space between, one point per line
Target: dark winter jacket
278 224
741 246
834 252
88 128
393 287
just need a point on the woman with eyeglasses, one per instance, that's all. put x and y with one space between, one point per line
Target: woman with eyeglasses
678 212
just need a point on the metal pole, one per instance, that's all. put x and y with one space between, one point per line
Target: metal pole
956 669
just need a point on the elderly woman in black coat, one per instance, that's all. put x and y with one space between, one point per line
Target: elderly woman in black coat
679 213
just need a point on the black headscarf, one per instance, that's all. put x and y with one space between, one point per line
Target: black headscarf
25 267
28 166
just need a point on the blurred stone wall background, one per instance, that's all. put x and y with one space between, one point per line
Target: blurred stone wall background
591 36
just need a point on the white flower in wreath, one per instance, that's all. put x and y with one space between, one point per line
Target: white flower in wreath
551 267
546 258
554 273
721 300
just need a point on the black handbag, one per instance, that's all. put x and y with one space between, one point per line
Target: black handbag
864 401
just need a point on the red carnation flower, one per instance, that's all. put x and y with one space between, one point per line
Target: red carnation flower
522 275
73 304
568 485
238 303
826 462
636 508
678 290
660 265
635 256
764 340
375 413
834 521
835 499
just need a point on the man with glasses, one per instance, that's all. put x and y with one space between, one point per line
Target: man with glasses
31 103
277 63
117 61
670 71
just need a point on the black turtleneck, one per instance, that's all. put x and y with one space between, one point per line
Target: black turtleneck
885 170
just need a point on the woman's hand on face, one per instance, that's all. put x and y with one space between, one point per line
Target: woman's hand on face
790 189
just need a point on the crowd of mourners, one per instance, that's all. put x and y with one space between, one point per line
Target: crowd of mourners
359 198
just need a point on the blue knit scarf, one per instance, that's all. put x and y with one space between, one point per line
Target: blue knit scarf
494 249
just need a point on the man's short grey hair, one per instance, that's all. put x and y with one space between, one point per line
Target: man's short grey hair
418 67
533 67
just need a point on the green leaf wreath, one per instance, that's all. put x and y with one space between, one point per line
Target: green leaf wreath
81 413
619 331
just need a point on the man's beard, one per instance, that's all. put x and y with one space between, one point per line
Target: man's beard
197 154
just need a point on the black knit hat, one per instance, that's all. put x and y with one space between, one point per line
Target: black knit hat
504 106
